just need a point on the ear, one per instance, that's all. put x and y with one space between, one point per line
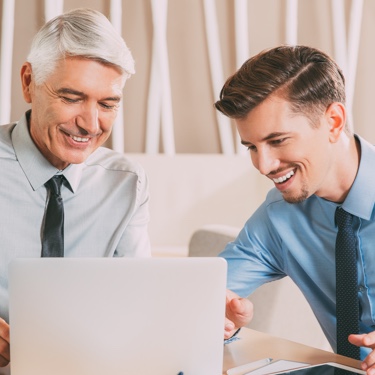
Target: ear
27 82
336 118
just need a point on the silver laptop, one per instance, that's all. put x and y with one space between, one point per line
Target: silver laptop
79 316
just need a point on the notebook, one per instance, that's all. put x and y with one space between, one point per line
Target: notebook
79 316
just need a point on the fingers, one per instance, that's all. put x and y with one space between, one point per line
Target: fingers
243 309
239 312
369 368
369 364
357 339
229 329
366 340
4 343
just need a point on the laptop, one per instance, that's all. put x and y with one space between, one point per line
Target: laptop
117 316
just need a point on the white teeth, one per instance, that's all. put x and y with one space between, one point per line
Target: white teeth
283 178
79 139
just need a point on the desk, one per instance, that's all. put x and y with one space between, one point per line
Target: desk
253 345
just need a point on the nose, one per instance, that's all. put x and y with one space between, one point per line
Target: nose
265 160
88 120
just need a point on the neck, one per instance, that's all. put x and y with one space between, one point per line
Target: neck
346 167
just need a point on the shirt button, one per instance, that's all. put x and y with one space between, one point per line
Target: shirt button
361 289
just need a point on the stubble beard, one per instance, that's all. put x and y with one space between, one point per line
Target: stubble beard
302 196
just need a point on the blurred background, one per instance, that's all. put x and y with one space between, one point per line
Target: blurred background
185 49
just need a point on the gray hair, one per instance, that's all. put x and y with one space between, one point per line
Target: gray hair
82 33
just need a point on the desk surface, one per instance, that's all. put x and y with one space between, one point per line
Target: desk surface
253 345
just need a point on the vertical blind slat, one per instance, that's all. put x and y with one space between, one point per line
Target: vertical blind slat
6 59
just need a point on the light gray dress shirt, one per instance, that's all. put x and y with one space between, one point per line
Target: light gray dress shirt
105 204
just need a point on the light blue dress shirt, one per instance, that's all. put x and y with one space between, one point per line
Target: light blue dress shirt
105 204
298 240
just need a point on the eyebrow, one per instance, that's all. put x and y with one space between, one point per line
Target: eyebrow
65 90
266 138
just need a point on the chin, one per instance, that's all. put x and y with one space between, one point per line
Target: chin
77 157
293 199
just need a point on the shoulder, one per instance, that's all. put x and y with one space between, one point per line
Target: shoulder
113 161
275 212
273 197
262 217
6 146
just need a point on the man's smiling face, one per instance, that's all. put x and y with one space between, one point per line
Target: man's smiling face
73 111
285 147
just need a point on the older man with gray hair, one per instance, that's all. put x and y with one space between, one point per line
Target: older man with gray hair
73 80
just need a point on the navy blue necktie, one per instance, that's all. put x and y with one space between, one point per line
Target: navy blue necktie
347 303
53 233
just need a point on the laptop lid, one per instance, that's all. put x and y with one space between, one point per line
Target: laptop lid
80 316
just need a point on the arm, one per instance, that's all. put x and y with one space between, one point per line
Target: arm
239 312
254 258
4 343
367 340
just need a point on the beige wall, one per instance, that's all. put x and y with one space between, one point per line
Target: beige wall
194 116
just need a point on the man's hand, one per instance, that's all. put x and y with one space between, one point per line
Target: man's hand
4 343
239 312
367 340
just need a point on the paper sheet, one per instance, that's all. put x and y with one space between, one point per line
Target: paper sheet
265 366
277 366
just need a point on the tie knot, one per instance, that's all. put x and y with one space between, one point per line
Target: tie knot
343 218
54 184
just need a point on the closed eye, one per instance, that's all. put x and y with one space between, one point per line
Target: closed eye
249 146
109 106
273 142
277 142
70 100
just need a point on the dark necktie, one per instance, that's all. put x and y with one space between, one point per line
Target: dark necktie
347 303
53 233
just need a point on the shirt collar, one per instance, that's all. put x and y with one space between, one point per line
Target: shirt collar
37 168
361 198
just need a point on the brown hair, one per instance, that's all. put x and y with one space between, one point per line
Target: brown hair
308 78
